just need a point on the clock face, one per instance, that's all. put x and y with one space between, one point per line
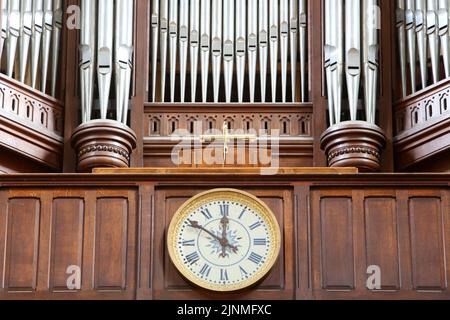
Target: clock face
224 240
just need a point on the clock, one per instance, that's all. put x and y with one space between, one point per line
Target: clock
224 240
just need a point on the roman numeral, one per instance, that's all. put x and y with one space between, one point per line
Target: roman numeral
188 243
207 214
243 271
223 275
205 270
192 258
260 242
255 258
255 225
242 214
224 209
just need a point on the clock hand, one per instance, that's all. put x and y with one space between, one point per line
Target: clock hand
223 242
196 225
224 222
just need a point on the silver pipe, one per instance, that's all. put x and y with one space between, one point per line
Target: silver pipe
228 46
432 32
216 46
411 40
173 37
303 27
284 45
183 43
274 26
164 25
128 40
26 11
14 33
104 53
252 45
155 33
335 57
4 26
443 18
205 44
400 24
370 58
58 17
421 27
87 56
263 45
46 41
241 36
330 59
123 56
194 42
353 54
38 22
293 20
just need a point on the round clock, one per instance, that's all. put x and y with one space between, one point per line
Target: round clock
224 240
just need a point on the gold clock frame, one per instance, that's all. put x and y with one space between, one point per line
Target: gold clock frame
226 194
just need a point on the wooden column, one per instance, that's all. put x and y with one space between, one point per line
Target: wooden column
72 100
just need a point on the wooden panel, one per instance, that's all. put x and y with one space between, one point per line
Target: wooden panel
22 244
337 244
382 240
3 211
428 264
111 244
67 239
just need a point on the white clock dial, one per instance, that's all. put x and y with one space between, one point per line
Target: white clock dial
224 242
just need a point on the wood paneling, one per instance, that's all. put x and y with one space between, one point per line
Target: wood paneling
382 239
67 239
22 244
111 222
333 227
427 244
337 244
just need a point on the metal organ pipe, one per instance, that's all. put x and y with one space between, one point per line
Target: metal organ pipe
235 34
46 41
400 24
173 35
284 45
38 21
87 57
155 32
4 36
57 28
216 31
194 42
353 53
302 47
228 46
241 38
421 27
273 35
14 33
26 12
293 27
164 25
263 16
433 39
183 44
370 58
252 45
443 17
104 52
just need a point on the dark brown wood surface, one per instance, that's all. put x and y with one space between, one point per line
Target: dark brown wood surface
334 227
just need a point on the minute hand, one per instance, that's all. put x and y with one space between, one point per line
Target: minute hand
223 242
195 225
